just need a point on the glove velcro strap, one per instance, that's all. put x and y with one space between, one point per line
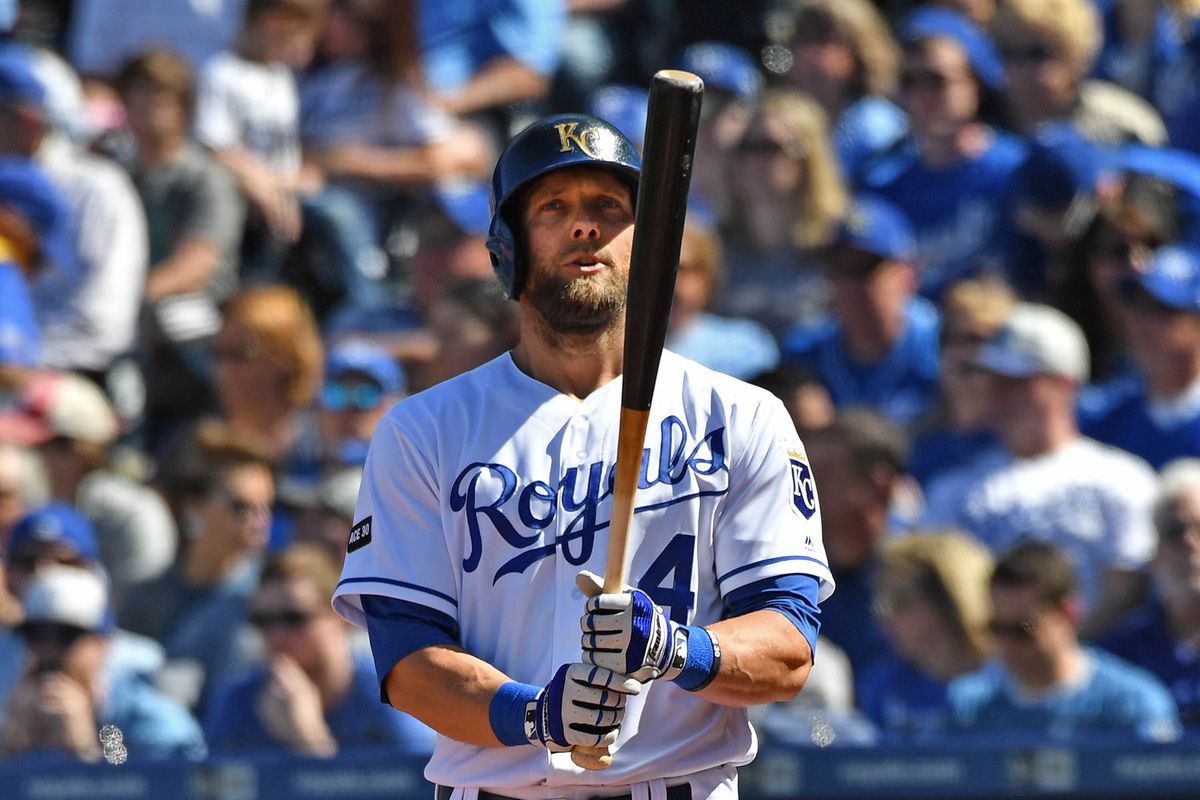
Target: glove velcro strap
702 659
513 713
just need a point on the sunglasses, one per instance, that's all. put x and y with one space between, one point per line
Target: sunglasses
244 509
1021 629
358 396
924 81
1027 54
292 618
54 634
30 560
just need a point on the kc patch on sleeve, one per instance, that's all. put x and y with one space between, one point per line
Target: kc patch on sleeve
360 535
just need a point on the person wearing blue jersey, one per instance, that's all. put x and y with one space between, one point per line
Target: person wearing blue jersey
314 695
880 347
1163 637
953 178
1156 414
1045 685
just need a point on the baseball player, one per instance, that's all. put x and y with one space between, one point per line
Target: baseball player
486 498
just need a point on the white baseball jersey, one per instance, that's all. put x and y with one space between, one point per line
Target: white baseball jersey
487 494
1090 499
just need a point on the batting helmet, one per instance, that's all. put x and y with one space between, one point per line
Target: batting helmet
551 143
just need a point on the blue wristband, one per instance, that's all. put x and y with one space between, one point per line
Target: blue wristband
702 661
507 712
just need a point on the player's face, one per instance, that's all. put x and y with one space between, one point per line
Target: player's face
579 226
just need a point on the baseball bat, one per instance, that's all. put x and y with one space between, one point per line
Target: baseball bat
672 117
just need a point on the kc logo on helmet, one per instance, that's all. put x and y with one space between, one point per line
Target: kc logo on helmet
569 139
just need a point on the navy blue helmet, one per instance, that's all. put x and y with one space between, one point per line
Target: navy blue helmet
551 143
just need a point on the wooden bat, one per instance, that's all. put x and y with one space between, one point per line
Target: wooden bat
672 118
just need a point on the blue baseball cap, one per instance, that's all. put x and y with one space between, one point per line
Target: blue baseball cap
18 82
56 523
875 226
27 189
623 106
724 66
1172 277
357 355
466 203
946 23
1062 164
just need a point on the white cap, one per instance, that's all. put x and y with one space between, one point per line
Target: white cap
61 404
1036 340
67 596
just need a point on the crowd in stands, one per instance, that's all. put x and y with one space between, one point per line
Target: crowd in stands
960 239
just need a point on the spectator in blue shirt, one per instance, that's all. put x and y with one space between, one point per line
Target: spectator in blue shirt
1045 685
931 602
66 694
842 53
1157 414
315 696
1164 636
880 348
952 180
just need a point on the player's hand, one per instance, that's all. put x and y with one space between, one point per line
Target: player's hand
581 706
628 633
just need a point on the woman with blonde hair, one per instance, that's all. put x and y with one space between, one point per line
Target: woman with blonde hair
931 600
842 53
788 199
269 362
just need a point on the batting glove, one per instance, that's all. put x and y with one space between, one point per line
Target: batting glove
582 705
628 633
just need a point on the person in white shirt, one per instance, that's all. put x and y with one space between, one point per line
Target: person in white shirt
1048 482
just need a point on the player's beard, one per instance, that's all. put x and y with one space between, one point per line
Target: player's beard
577 304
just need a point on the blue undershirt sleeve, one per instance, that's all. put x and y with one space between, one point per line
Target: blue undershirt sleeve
794 596
397 628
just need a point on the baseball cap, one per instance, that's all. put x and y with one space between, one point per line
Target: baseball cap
27 189
1172 277
723 66
68 596
18 81
358 355
875 226
1062 164
56 523
623 106
60 404
946 23
1036 340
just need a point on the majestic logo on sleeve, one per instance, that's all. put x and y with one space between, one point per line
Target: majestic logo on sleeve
494 499
804 488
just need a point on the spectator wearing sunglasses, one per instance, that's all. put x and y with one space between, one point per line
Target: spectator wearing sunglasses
222 487
1164 636
1048 47
67 692
1157 414
1044 684
315 696
953 180
362 381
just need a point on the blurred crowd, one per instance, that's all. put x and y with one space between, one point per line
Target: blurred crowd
959 239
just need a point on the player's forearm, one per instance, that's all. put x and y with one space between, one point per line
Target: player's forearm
449 690
764 659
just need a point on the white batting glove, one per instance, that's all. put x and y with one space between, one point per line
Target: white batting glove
628 633
581 706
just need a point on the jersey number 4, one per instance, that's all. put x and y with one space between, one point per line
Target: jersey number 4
668 579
